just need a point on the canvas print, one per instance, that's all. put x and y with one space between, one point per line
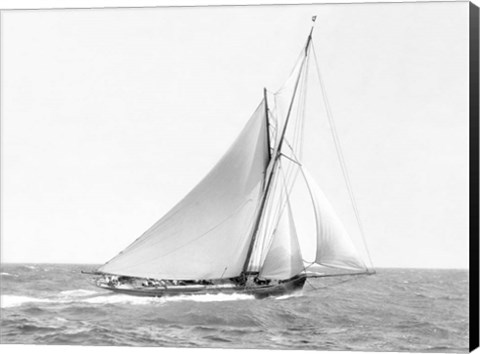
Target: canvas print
269 177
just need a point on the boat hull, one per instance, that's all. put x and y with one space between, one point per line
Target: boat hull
259 291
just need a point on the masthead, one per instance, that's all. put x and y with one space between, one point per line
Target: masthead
310 35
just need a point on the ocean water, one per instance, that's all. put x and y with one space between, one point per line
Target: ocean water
394 310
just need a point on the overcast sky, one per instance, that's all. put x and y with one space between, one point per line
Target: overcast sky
109 117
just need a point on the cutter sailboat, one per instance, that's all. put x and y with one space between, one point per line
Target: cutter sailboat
235 232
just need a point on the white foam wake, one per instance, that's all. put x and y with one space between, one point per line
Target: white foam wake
17 300
122 299
211 297
78 293
67 296
141 300
288 296
94 297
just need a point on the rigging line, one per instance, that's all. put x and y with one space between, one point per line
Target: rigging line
282 205
224 272
282 136
309 264
273 125
274 162
339 282
283 195
289 158
314 288
266 225
296 134
310 192
287 200
300 100
304 105
292 170
305 267
277 151
340 155
300 56
292 173
271 220
339 275
301 112
298 125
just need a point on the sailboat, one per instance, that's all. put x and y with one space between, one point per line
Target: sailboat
235 232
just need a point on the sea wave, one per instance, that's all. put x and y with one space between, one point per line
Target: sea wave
31 267
380 313
8 274
61 319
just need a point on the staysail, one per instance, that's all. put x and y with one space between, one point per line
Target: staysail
283 259
274 222
334 246
207 234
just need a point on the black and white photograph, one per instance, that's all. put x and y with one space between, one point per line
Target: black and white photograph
240 176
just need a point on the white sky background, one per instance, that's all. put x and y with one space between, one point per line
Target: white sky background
109 117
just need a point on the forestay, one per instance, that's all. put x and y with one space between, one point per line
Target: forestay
207 234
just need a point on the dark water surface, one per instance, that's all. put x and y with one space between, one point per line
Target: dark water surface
394 310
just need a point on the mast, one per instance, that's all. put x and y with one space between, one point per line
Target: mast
267 123
275 158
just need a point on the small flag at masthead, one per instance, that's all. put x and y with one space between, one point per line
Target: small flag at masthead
314 18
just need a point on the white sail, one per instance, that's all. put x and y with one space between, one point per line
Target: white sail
277 199
334 246
283 259
207 234
267 225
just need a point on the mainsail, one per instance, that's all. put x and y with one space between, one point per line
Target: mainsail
207 234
